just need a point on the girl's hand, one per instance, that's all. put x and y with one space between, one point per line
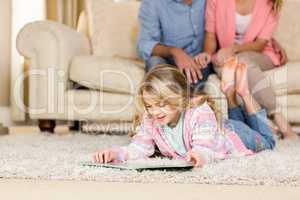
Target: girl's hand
224 54
195 158
202 59
105 156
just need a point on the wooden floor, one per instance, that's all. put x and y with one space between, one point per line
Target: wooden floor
78 190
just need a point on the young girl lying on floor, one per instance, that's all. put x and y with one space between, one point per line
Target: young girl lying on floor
193 133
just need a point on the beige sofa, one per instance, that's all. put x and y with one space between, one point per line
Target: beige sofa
102 57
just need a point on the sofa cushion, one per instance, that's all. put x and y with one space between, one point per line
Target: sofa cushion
285 79
292 114
113 27
100 106
289 29
288 101
107 73
289 107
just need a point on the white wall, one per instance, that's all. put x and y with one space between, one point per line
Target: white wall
5 22
5 37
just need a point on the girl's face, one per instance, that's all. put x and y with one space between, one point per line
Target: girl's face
160 111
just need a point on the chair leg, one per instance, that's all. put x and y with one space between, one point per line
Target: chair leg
47 125
3 130
75 126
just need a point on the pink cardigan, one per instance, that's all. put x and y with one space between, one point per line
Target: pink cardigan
220 19
200 135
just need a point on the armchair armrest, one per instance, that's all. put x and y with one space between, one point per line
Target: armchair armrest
49 47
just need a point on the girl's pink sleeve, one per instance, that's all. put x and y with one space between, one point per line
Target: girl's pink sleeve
141 146
270 27
210 16
204 132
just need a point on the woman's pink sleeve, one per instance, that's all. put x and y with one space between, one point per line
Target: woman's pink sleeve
270 27
210 16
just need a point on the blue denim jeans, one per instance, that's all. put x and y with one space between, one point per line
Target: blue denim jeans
156 60
253 130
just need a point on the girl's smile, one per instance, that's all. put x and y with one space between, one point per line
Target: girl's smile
162 112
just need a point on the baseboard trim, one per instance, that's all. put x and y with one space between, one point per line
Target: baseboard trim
5 117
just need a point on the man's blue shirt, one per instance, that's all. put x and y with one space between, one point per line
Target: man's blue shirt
171 23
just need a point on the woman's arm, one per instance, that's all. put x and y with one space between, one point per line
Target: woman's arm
225 53
258 46
210 47
210 43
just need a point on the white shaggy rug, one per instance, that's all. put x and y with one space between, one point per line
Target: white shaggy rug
59 157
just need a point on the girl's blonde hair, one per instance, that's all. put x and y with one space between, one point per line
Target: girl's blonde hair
277 5
167 84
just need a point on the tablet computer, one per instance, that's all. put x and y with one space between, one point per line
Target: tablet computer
145 165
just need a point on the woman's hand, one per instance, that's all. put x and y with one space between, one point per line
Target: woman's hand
281 51
195 158
202 59
224 54
283 56
104 156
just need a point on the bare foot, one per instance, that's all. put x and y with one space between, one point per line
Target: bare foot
241 78
228 74
242 89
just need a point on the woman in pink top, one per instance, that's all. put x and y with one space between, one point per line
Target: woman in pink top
244 28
